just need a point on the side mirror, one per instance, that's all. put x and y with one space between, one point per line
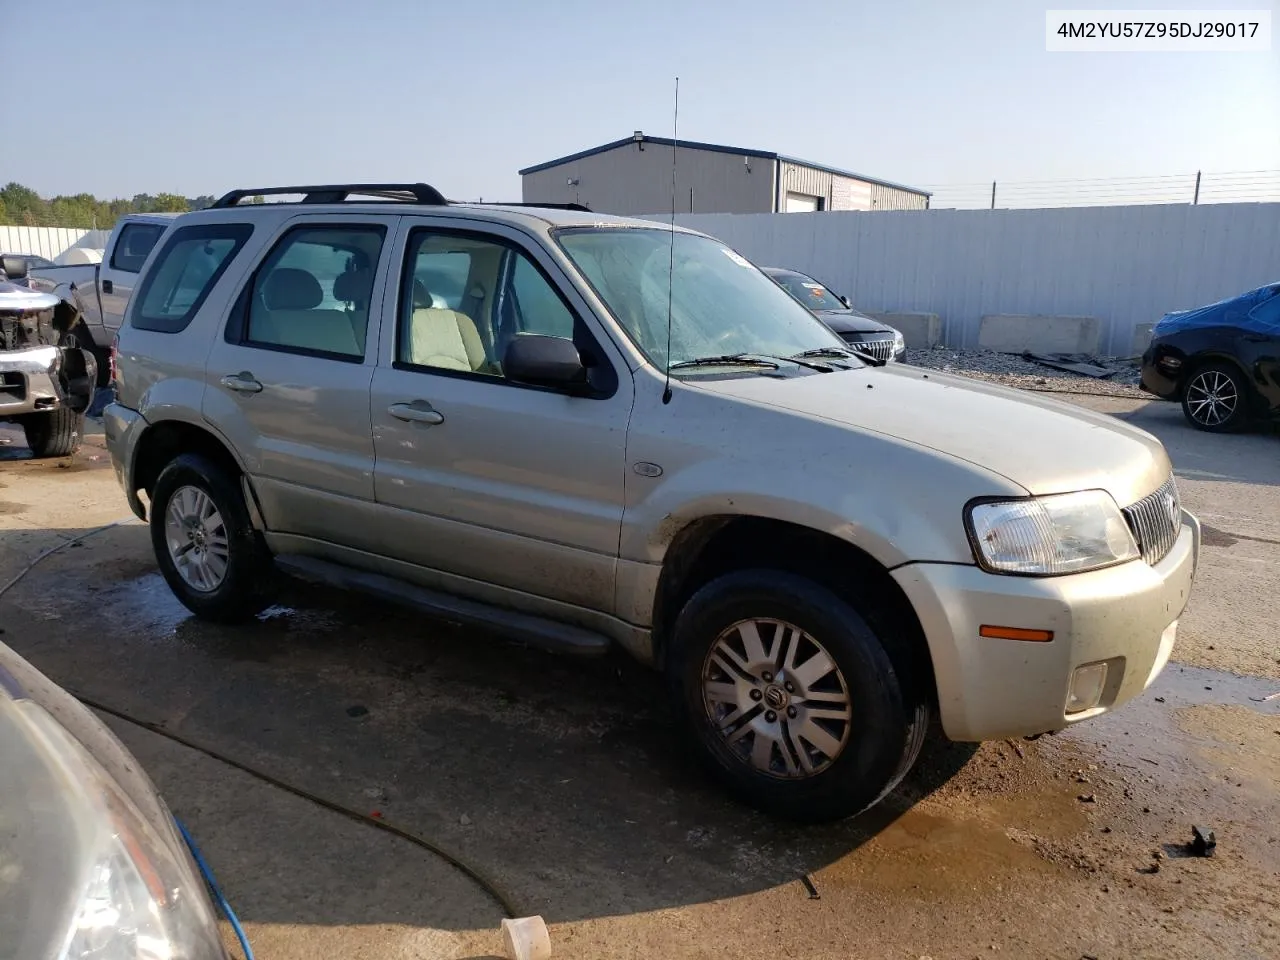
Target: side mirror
545 362
15 268
845 301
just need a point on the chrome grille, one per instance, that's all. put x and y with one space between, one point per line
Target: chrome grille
1155 521
880 349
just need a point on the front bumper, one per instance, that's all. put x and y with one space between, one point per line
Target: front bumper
36 379
989 689
122 426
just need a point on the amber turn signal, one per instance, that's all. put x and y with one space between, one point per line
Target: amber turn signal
1015 633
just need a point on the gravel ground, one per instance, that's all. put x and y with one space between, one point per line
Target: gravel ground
1012 370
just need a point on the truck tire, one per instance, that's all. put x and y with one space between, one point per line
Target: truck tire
56 433
215 563
790 697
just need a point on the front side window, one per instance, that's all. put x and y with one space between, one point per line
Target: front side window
134 244
464 297
718 303
185 270
312 293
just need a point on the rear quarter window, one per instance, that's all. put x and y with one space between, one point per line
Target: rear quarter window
133 245
185 270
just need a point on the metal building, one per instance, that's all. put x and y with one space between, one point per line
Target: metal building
633 176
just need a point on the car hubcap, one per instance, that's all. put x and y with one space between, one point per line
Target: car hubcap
197 539
777 698
1212 398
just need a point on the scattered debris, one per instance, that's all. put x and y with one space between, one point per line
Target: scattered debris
464 820
1080 363
1267 699
810 886
1012 370
1154 763
1150 868
526 938
1016 749
1087 798
1106 829
1159 699
1082 779
357 710
1203 842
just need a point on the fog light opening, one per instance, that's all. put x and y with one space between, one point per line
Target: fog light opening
1087 685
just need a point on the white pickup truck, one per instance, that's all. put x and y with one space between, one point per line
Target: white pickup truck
99 292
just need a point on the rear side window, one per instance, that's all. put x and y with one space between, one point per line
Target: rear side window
313 292
133 245
187 267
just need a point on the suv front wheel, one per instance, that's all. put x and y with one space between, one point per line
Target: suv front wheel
793 702
210 555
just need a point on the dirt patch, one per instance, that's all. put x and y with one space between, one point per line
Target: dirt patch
7 507
1245 743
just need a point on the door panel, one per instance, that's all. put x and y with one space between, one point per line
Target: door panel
508 485
289 382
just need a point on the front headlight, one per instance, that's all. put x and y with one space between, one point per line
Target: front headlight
899 342
1043 536
104 883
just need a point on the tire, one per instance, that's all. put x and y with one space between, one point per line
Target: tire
1215 398
199 505
878 742
56 433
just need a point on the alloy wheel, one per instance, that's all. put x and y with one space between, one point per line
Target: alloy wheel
777 698
1212 398
197 539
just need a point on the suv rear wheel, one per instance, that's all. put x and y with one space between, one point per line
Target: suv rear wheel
792 699
210 555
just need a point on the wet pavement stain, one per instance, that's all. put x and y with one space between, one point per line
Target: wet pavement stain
1213 537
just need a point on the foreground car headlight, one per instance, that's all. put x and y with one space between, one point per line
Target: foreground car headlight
1062 533
89 877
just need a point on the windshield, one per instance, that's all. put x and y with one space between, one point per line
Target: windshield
808 291
719 303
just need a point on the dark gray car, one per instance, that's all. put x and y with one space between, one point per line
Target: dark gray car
856 329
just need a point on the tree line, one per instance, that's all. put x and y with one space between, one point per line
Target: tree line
22 207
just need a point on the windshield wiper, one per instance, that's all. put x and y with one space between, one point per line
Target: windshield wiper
843 352
726 360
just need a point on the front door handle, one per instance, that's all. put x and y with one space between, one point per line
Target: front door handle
108 286
419 411
242 382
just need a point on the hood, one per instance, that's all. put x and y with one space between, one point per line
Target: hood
1233 312
16 299
1043 445
850 321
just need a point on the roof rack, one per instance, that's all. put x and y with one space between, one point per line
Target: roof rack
580 207
422 193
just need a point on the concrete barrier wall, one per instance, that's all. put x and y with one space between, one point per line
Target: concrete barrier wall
1008 333
920 330
1124 266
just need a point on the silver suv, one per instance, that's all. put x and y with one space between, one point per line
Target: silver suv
587 431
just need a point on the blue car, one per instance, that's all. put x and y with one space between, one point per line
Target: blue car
1222 362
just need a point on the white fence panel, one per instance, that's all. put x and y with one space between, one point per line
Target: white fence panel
1126 266
51 242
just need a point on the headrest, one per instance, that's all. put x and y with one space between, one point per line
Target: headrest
289 288
354 286
421 295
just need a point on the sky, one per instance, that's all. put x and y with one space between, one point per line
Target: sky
150 96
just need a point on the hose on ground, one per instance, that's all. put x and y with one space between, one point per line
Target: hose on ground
489 886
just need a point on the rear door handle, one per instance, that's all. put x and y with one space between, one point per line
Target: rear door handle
242 382
419 411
